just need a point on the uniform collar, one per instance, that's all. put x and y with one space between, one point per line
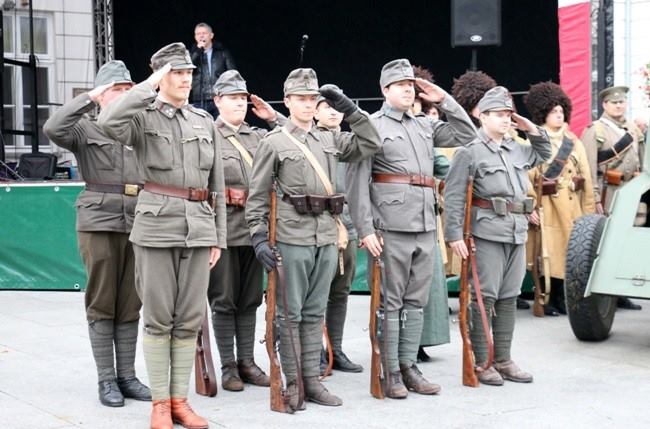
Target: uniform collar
299 133
622 124
507 143
227 131
169 111
393 113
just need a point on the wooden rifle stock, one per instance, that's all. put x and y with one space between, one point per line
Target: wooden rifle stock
469 375
279 400
205 379
330 352
538 305
376 388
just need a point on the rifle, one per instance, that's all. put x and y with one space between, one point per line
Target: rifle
279 399
469 375
330 352
538 304
205 379
603 193
376 379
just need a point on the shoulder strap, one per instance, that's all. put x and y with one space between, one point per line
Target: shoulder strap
558 163
244 153
313 161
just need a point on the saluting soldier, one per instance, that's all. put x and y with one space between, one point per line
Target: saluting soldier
567 190
393 192
105 210
329 119
235 290
175 236
303 159
499 223
615 150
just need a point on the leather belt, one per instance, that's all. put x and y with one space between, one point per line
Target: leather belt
191 194
501 207
236 197
131 190
406 179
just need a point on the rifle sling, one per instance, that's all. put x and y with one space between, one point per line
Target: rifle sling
481 305
283 292
606 155
557 165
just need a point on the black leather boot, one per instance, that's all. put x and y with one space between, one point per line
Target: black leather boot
110 394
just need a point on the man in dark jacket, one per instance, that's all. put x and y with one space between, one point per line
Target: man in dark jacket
211 59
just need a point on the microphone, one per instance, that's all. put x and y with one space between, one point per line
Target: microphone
303 44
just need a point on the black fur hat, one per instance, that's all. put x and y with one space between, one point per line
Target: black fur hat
543 97
470 87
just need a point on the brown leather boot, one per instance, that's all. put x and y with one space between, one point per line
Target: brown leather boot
184 415
413 380
396 389
252 374
161 415
510 371
230 379
316 392
489 376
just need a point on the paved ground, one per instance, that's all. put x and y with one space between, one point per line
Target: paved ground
47 378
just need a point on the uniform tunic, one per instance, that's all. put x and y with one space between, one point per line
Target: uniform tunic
104 220
175 147
405 212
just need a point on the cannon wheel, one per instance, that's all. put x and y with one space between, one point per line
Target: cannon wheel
591 318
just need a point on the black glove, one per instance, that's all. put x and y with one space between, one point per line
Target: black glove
263 251
339 101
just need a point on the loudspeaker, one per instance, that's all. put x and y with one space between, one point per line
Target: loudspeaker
475 22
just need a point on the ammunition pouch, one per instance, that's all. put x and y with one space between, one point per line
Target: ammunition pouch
316 204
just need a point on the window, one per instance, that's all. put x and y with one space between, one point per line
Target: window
17 81
8 33
40 35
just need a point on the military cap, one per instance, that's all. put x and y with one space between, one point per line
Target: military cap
320 98
301 82
113 71
614 93
395 71
176 54
496 98
230 82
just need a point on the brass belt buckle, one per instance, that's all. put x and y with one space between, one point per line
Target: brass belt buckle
131 190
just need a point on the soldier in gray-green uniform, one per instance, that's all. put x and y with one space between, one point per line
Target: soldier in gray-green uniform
499 223
235 289
176 237
105 210
306 229
394 192
614 145
329 119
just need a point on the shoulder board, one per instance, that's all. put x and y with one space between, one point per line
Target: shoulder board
198 111
377 114
151 106
274 131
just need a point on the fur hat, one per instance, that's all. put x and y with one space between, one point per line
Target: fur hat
543 97
470 87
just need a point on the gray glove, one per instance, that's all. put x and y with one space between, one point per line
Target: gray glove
339 101
263 251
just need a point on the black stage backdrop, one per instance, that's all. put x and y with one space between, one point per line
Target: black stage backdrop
348 41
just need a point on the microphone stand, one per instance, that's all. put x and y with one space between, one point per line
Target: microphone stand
202 50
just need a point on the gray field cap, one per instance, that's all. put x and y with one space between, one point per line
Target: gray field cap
497 98
113 71
395 71
301 82
230 82
176 54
